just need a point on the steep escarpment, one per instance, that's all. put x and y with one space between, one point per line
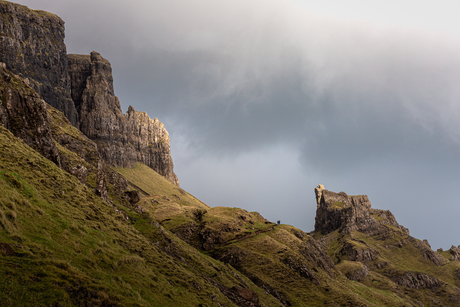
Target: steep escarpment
369 246
23 112
32 46
122 139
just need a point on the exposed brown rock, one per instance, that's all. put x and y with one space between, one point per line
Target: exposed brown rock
32 46
247 294
23 112
101 182
429 254
455 252
80 171
416 280
122 139
133 196
351 213
357 272
361 252
312 251
301 268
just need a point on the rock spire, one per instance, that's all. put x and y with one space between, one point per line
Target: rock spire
122 139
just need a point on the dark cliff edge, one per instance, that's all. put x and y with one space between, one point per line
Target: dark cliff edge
81 86
23 112
32 46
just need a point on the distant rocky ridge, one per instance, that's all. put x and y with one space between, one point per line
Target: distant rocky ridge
81 86
349 213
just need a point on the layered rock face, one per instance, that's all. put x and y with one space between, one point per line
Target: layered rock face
122 139
350 213
23 112
32 46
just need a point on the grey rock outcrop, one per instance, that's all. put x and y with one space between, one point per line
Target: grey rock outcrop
351 213
23 112
416 280
429 254
32 46
455 252
122 140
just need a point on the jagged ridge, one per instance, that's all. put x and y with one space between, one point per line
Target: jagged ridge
32 46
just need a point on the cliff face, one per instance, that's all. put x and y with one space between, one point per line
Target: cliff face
32 46
23 112
122 139
350 213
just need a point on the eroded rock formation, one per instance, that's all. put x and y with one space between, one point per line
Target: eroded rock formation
319 193
350 213
32 46
122 139
23 112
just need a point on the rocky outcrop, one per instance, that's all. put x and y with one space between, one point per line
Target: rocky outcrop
23 112
359 251
122 139
455 252
32 46
429 254
133 196
350 213
416 280
319 193
301 268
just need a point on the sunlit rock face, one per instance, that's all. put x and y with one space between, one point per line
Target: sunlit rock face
122 140
350 213
32 46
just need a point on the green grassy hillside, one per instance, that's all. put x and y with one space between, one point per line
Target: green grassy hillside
61 245
287 263
79 240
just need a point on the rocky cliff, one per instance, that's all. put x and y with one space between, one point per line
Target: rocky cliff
122 139
23 112
369 246
32 46
81 86
339 211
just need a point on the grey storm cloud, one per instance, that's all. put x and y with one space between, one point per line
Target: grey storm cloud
264 100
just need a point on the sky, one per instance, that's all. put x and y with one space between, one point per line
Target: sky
266 99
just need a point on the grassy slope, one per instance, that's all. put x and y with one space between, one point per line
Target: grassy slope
261 246
61 243
399 254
